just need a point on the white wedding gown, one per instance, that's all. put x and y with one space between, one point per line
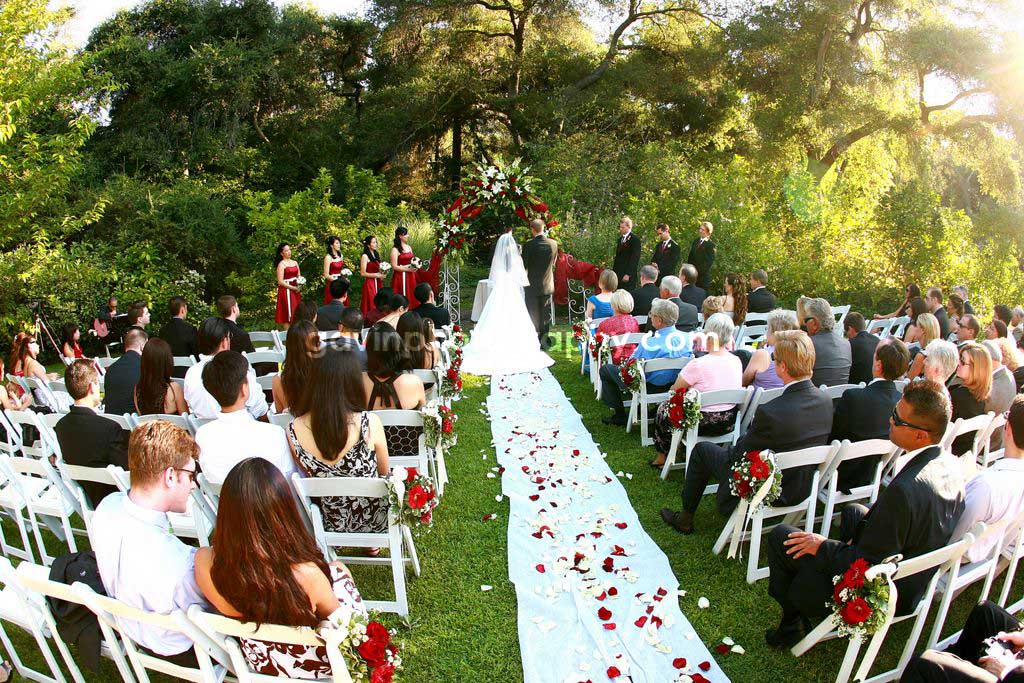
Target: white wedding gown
504 340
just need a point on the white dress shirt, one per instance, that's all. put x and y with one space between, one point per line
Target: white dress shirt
235 436
992 495
205 406
143 565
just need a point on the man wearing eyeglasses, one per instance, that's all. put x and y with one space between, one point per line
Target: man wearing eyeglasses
140 561
914 515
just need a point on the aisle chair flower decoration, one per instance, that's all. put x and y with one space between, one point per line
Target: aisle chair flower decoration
370 651
757 481
439 425
630 373
451 387
858 602
411 498
578 333
683 410
598 348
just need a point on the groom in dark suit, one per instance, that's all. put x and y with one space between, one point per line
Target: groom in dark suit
539 260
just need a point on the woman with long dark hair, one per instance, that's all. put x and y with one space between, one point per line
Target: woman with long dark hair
291 386
70 347
736 297
288 280
369 268
911 292
263 566
336 437
24 359
334 263
155 393
403 279
418 335
390 386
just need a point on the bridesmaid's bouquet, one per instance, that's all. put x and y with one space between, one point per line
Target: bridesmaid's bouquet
416 263
370 653
299 280
347 272
385 266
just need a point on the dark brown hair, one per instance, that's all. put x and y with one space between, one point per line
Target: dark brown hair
258 541
739 297
301 346
335 394
386 355
154 377
417 333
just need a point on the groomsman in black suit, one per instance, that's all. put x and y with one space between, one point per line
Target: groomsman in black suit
666 253
179 334
862 347
760 300
647 292
702 254
691 293
627 255
539 256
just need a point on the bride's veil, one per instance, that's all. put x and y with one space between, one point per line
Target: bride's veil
507 261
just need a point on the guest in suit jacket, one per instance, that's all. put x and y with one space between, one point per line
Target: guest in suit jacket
864 413
760 300
666 255
328 316
539 256
702 254
800 418
933 301
87 438
627 255
121 377
647 292
670 288
862 347
424 293
832 354
914 515
179 334
691 293
227 308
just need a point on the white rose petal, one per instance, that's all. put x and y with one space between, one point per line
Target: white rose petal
703 603
485 588
738 649
728 641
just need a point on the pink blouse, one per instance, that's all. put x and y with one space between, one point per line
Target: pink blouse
712 373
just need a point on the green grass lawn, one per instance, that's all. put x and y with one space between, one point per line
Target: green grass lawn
458 633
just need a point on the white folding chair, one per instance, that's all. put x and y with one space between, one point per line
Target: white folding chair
263 340
901 384
899 326
977 424
751 333
431 379
255 357
124 619
266 382
880 328
105 362
176 420
641 320
840 312
198 422
828 492
423 460
640 410
59 390
740 397
311 490
184 361
74 475
836 391
40 448
282 420
329 335
816 456
123 420
33 489
983 442
1012 552
761 396
226 633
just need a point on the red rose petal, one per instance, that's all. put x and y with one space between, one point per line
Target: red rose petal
602 596
640 622
679 662
535 497
721 648
621 525
613 672
613 591
662 592
697 678
604 614
619 551
609 627
704 666
540 568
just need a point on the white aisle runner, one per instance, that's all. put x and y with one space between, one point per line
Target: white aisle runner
597 598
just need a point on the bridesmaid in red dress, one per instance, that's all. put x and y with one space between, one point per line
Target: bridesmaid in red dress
369 268
334 263
403 281
288 296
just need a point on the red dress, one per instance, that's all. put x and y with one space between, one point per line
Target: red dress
287 300
334 269
403 283
370 286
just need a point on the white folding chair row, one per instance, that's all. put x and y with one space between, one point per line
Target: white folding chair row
836 391
829 493
880 328
271 339
750 333
74 475
760 397
741 398
614 342
255 357
34 492
640 409
840 312
184 361
899 327
983 442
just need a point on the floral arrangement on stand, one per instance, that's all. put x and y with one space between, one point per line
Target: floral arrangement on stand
369 650
412 498
750 474
451 387
631 376
859 603
439 425
684 410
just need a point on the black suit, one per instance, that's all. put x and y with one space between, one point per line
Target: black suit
800 418
539 256
181 336
440 316
968 308
862 347
943 318
119 384
666 256
914 515
239 338
328 316
627 260
702 257
761 301
687 321
643 297
90 440
863 414
693 295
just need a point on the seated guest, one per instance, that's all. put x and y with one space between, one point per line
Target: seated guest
690 292
621 322
234 435
140 561
397 306
954 310
997 492
306 310
915 514
338 438
155 393
862 347
263 566
1002 313
227 309
599 304
760 299
1017 324
179 333
24 359
863 413
70 346
214 337
965 660
121 377
1013 359
1004 386
911 292
941 361
138 315
647 291
760 371
967 329
933 302
390 386
832 354
670 288
961 291
381 306
736 297
349 329
995 329
715 370
420 340
289 387
329 315
11 397
929 327
969 395
87 438
712 305
664 342
428 308
800 418
913 333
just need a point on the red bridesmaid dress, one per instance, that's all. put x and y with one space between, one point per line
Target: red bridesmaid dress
370 287
403 283
334 269
287 299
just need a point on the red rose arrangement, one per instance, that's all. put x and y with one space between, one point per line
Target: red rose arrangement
684 409
751 473
597 347
370 651
439 424
412 498
858 603
451 388
630 373
578 333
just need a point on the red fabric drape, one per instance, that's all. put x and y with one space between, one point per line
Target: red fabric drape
430 275
568 267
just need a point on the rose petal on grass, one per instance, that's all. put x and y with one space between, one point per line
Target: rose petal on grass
703 602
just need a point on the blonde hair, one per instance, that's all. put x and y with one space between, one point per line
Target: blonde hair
608 280
707 225
622 302
155 446
781 320
1010 358
712 305
979 380
794 349
929 325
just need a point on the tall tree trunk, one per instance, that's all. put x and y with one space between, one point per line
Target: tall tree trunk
456 163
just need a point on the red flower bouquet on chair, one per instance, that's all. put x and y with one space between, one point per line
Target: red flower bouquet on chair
858 603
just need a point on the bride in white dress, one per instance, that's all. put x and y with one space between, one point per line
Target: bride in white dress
504 340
